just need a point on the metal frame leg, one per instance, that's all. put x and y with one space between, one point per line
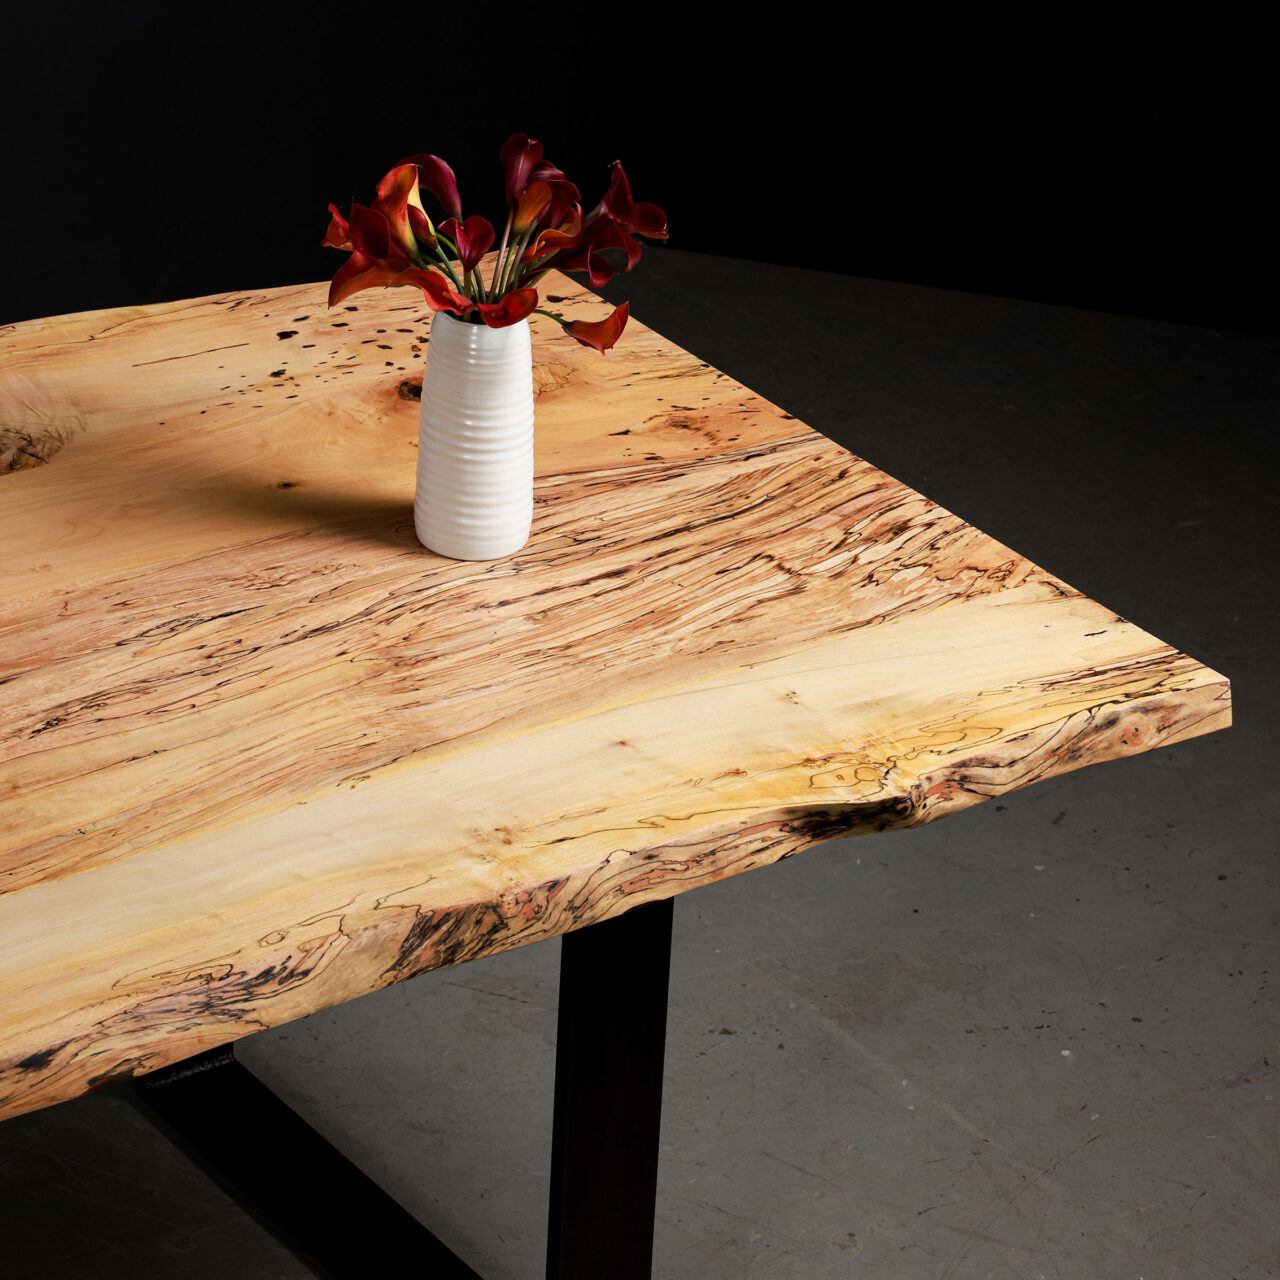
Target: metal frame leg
318 1204
604 1148
608 1106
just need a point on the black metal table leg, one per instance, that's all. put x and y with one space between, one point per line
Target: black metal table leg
604 1151
608 1100
307 1193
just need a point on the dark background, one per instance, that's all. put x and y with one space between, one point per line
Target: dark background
158 151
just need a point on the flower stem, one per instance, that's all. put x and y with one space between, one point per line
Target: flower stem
506 267
512 276
444 260
506 232
448 266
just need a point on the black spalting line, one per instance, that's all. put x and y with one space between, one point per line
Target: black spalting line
189 354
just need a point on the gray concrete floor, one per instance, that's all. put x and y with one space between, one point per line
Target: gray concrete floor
1035 1040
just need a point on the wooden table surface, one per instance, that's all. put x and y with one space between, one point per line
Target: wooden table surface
260 752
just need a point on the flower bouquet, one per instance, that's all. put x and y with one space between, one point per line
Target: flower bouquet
474 498
395 242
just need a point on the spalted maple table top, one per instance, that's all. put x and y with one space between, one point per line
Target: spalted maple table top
260 752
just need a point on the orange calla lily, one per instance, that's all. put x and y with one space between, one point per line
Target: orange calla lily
397 194
437 177
553 239
511 309
533 201
600 334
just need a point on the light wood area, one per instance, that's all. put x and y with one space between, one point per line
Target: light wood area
261 753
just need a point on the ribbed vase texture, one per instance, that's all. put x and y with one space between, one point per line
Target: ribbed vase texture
474 498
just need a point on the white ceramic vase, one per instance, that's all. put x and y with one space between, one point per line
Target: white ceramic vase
474 498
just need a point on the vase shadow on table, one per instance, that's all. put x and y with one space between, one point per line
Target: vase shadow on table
361 517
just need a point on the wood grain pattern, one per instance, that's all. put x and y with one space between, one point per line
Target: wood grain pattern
261 753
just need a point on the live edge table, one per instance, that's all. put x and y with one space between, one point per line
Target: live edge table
261 753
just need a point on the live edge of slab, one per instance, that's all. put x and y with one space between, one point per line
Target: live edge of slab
261 753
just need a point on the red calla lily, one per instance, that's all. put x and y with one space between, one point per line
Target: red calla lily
439 293
598 268
422 227
643 219
370 232
564 195
603 233
360 272
474 238
338 235
438 178
520 155
510 309
545 170
376 259
600 334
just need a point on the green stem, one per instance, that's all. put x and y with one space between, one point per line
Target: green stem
441 257
448 266
437 237
474 289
